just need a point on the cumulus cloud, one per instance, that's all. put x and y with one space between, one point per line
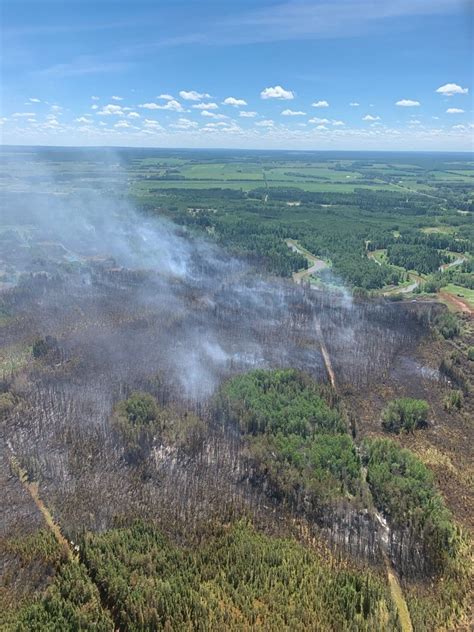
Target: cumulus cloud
184 123
122 125
277 92
320 104
337 123
247 114
23 114
82 119
369 117
95 98
265 123
165 97
227 128
322 127
213 115
354 104
407 103
34 100
115 98
94 107
151 124
289 112
169 105
235 102
192 95
205 106
318 120
111 109
451 88
150 106
454 111
133 115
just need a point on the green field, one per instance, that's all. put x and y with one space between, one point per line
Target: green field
458 291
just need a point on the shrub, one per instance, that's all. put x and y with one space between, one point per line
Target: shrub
44 346
405 414
7 403
470 354
139 409
137 419
453 401
448 325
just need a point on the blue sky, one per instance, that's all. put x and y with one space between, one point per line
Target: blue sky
299 74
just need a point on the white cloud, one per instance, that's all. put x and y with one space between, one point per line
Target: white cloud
23 114
407 103
216 125
369 117
192 95
110 109
246 114
94 107
122 124
318 120
184 123
56 108
277 92
354 104
459 127
321 127
170 105
95 98
265 123
165 97
150 106
454 111
117 98
34 100
82 119
235 102
205 106
52 123
337 123
133 115
151 124
451 88
208 114
227 128
293 113
320 104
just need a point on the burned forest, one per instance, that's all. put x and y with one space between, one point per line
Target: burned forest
164 393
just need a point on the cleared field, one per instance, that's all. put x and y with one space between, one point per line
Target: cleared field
336 177
463 293
446 230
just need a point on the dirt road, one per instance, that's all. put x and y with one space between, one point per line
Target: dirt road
456 302
315 264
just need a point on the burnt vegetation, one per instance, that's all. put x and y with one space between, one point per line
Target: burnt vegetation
173 409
